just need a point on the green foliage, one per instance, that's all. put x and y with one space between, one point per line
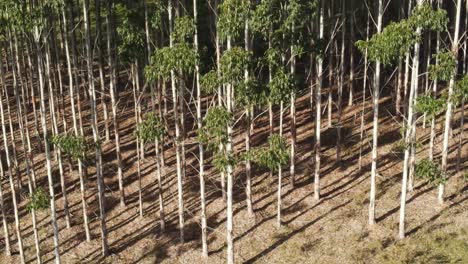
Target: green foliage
430 105
151 129
273 157
264 17
232 17
210 82
281 86
157 17
75 146
272 56
429 170
461 90
444 68
222 160
233 64
184 29
397 38
181 58
38 200
429 19
392 43
214 132
250 93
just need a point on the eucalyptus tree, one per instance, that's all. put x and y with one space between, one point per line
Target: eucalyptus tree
430 105
274 157
341 81
374 56
200 144
173 62
151 130
318 107
94 126
233 14
213 133
298 15
113 94
451 88
76 147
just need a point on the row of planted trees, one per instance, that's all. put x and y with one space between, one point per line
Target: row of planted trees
219 65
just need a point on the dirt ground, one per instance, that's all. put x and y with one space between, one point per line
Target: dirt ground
331 230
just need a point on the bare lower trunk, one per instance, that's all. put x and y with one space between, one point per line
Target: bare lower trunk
375 131
318 106
448 113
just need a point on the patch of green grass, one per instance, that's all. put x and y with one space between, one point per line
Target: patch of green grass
427 248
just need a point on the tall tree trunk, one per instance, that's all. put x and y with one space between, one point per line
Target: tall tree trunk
94 127
448 113
318 103
363 106
341 83
375 131
180 194
410 125
200 145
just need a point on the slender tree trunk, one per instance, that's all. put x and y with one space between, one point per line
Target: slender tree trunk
6 231
363 106
230 177
410 126
341 83
318 102
200 145
94 127
177 135
351 59
292 168
448 113
375 131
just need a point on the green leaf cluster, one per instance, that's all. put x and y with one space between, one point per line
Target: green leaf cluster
184 29
38 200
233 64
273 157
429 170
429 19
214 132
70 144
221 160
430 106
180 58
461 90
250 93
445 67
393 43
232 17
210 82
281 86
151 129
398 37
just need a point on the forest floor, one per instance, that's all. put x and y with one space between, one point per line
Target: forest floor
331 230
